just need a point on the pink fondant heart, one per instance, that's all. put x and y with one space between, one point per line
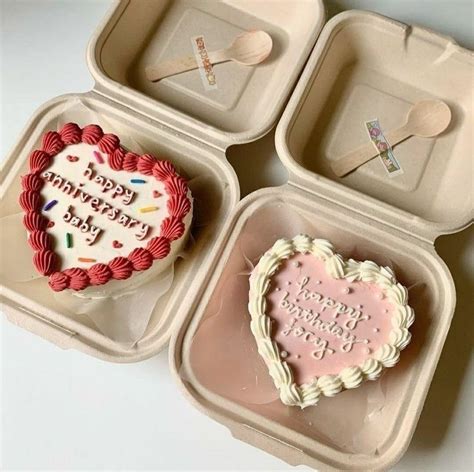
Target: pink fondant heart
117 244
156 194
323 323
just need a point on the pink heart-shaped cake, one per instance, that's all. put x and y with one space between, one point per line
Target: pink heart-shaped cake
323 323
95 223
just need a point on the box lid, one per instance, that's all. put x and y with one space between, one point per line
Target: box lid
246 101
366 66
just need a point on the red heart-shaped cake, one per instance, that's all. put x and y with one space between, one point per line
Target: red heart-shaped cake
92 212
323 323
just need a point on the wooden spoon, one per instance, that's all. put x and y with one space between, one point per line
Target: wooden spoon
248 49
426 119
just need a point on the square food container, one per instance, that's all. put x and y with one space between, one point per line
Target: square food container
364 66
176 118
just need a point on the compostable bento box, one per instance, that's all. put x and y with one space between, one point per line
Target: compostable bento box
176 118
363 66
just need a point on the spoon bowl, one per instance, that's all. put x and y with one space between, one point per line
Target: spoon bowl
428 118
250 48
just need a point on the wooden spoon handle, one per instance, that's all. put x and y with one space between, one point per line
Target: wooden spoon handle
367 152
171 67
183 64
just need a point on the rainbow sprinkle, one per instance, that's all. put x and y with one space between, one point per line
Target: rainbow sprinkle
148 209
50 205
68 240
99 157
86 259
137 181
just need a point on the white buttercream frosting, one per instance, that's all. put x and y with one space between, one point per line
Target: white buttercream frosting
303 243
400 337
371 368
388 355
351 377
330 385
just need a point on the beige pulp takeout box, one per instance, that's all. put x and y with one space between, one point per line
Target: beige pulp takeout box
176 118
364 66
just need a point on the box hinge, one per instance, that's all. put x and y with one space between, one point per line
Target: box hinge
413 229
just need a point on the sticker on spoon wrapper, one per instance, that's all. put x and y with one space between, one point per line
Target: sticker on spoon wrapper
205 67
389 161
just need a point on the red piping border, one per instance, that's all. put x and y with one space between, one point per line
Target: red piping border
119 268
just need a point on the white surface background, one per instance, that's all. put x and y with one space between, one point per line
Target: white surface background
65 410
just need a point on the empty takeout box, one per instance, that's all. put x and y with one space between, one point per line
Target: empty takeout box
364 66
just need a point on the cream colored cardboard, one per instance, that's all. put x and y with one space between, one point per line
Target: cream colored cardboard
399 220
134 32
246 102
364 66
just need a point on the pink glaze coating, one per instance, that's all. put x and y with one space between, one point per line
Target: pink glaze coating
371 319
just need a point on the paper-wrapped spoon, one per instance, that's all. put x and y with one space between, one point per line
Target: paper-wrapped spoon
426 119
248 49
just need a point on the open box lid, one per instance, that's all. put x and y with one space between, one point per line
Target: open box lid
246 102
366 66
